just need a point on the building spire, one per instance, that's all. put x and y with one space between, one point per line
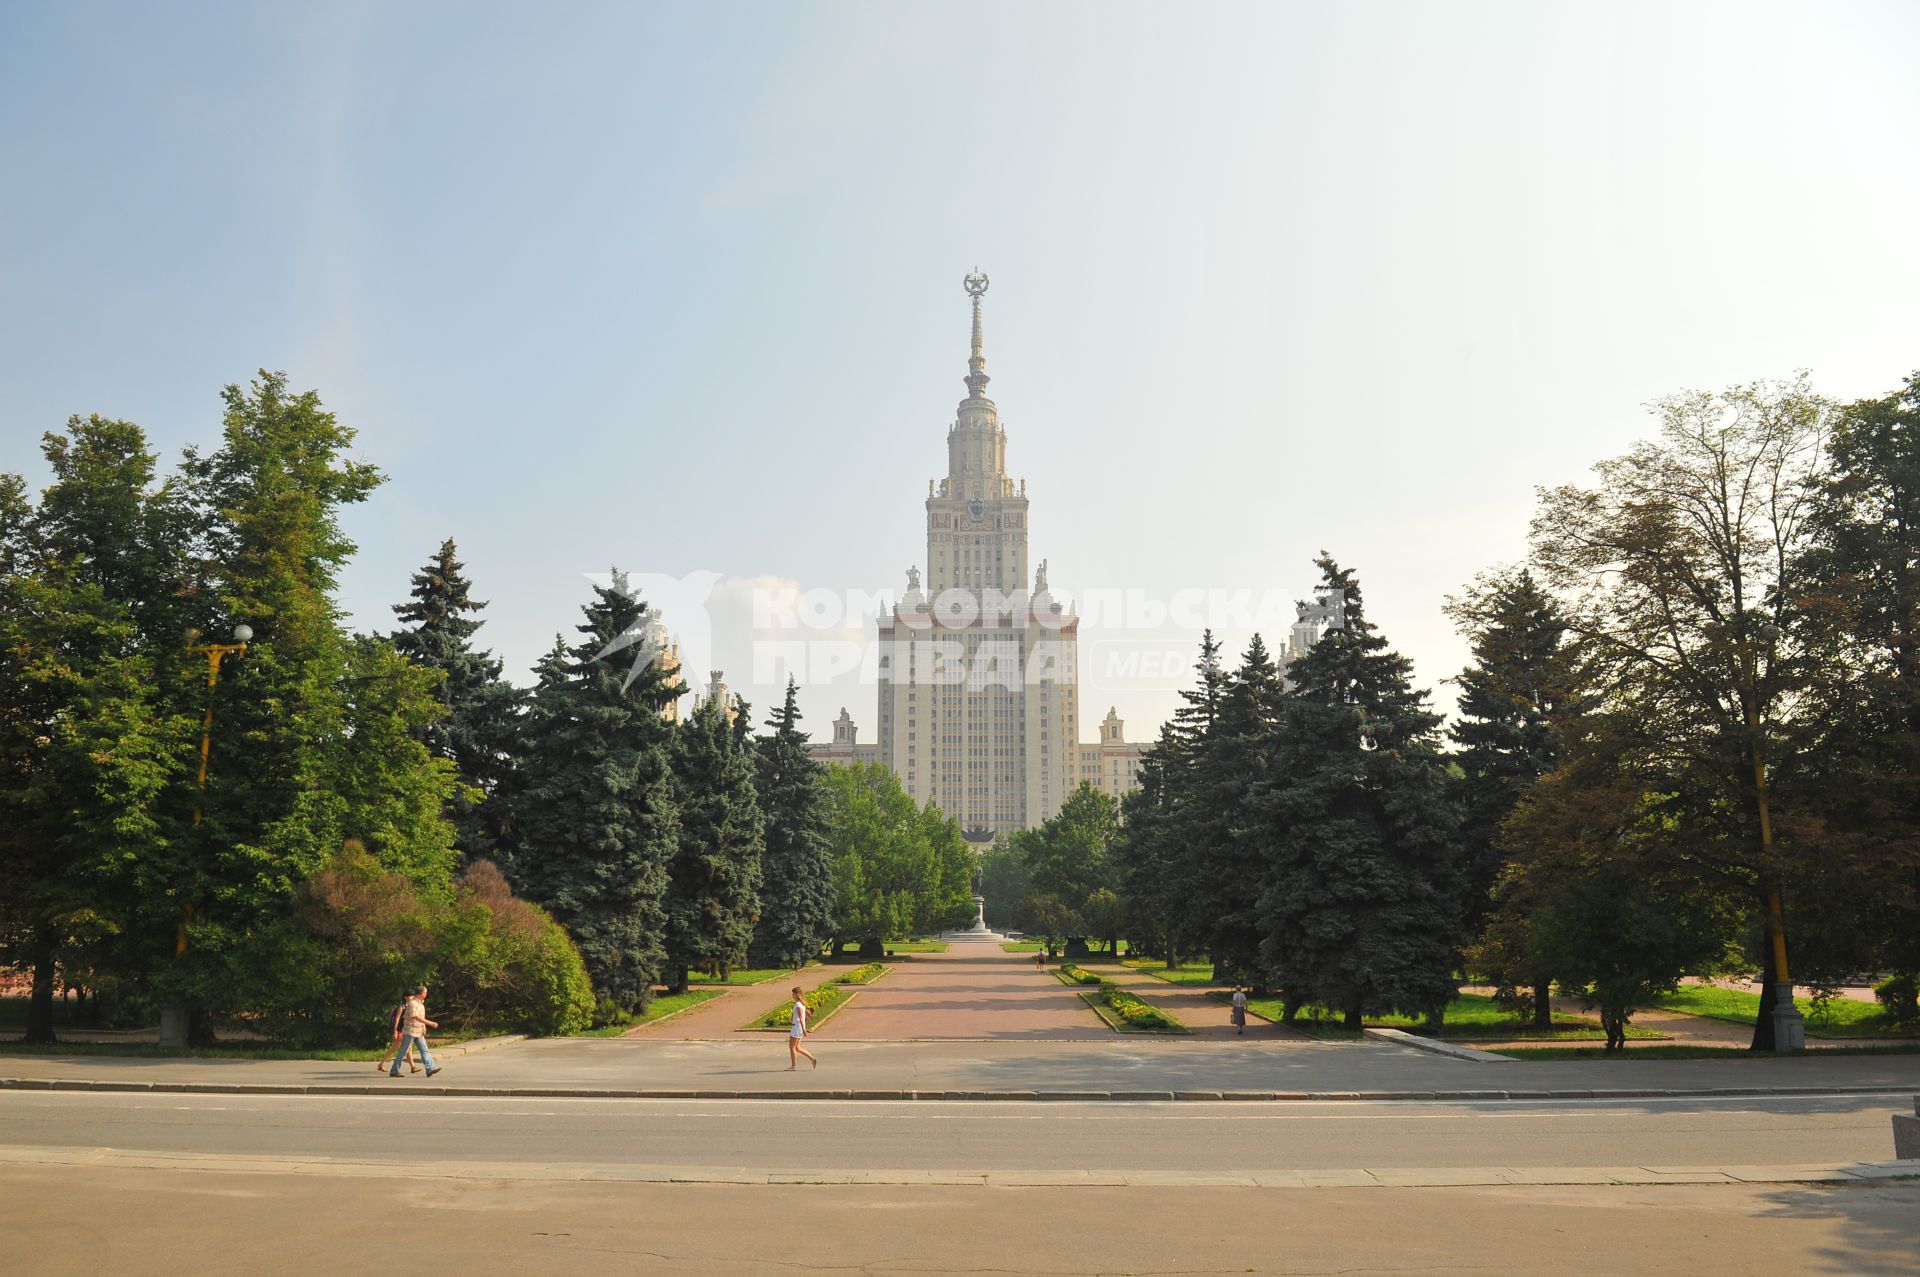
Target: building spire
976 285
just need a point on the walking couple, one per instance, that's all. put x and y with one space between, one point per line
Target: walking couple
410 1025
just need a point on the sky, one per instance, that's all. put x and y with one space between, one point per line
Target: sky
677 288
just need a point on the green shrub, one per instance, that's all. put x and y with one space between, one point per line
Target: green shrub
509 965
608 1014
863 975
1899 998
359 936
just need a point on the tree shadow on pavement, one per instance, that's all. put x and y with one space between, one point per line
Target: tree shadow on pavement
1880 1221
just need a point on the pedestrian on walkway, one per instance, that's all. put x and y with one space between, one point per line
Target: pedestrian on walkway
1239 1009
397 1023
413 1031
797 1032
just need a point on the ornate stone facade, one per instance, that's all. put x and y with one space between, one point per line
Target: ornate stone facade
978 695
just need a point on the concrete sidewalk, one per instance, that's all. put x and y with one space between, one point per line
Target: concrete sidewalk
265 1222
1131 1068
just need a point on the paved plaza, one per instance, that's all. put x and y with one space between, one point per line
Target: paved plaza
941 1134
977 1021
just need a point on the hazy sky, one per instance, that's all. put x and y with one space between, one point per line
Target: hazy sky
678 288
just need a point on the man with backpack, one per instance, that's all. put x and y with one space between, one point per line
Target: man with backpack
413 1032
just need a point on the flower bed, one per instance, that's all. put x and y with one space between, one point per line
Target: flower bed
864 975
821 1003
1068 973
1129 1014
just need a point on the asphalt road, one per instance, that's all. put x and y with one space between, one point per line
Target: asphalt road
249 1185
799 1135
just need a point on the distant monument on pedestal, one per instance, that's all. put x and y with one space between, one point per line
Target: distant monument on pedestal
978 931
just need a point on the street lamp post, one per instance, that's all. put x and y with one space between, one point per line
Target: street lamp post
1789 1028
174 1017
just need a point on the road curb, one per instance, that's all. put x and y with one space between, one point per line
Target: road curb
1062 1096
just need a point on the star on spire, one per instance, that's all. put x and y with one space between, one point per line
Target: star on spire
976 285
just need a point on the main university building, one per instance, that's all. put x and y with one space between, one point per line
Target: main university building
979 708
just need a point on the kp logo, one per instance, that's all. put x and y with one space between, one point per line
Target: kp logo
679 601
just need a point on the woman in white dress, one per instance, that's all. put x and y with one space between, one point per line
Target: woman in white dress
797 1032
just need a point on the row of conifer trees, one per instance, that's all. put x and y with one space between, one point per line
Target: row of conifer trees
1688 743
362 795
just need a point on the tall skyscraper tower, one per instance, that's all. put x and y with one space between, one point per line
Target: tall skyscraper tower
979 667
978 707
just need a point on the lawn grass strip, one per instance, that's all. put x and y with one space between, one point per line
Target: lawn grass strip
1186 973
769 975
1567 1028
1844 1018
695 998
1662 1051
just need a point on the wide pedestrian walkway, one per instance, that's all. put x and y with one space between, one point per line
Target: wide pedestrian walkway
737 1005
973 991
1194 1005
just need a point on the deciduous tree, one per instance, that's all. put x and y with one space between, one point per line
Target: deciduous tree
1679 570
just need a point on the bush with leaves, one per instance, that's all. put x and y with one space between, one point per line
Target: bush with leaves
1899 998
509 965
360 935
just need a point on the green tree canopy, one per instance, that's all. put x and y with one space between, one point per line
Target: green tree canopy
713 880
595 823
796 865
1679 570
1229 844
89 582
1069 855
478 730
896 866
1859 614
1163 826
1524 679
1361 904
